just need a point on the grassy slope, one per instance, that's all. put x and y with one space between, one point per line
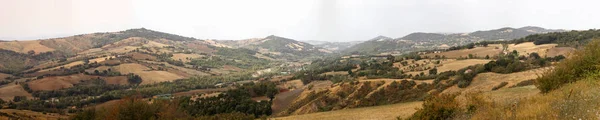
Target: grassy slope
384 112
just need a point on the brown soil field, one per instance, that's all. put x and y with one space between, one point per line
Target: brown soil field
185 57
384 112
25 46
565 51
31 115
117 80
9 91
57 82
141 56
3 76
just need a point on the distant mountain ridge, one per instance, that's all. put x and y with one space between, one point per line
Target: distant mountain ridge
423 41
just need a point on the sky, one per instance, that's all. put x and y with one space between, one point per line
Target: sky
323 20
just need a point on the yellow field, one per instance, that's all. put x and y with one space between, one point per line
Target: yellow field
529 47
9 91
67 66
25 46
460 64
384 112
484 82
150 77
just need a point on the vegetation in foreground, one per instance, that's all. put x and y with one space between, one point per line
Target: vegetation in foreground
570 92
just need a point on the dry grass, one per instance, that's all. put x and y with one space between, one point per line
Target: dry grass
565 51
57 82
151 77
8 92
25 46
486 81
477 51
3 76
123 49
460 64
141 56
67 66
384 112
31 115
185 57
529 47
578 100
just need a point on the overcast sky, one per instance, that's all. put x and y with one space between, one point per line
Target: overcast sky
326 20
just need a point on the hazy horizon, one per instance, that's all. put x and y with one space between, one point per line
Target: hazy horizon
329 20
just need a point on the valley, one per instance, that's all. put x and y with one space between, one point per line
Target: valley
276 77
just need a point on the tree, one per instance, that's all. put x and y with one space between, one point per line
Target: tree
96 72
19 98
433 71
350 72
31 52
487 56
534 55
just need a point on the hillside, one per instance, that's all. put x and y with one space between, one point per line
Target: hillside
334 46
426 41
277 47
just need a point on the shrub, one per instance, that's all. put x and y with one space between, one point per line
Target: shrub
440 107
572 69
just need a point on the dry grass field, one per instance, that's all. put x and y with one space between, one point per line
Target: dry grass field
31 115
384 112
486 81
185 57
25 46
491 50
141 56
150 77
66 66
565 51
528 47
459 64
9 91
57 82
3 76
60 82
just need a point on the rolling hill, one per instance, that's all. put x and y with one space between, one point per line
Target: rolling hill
277 47
425 41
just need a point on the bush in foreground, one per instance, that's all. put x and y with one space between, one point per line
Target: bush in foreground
581 63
